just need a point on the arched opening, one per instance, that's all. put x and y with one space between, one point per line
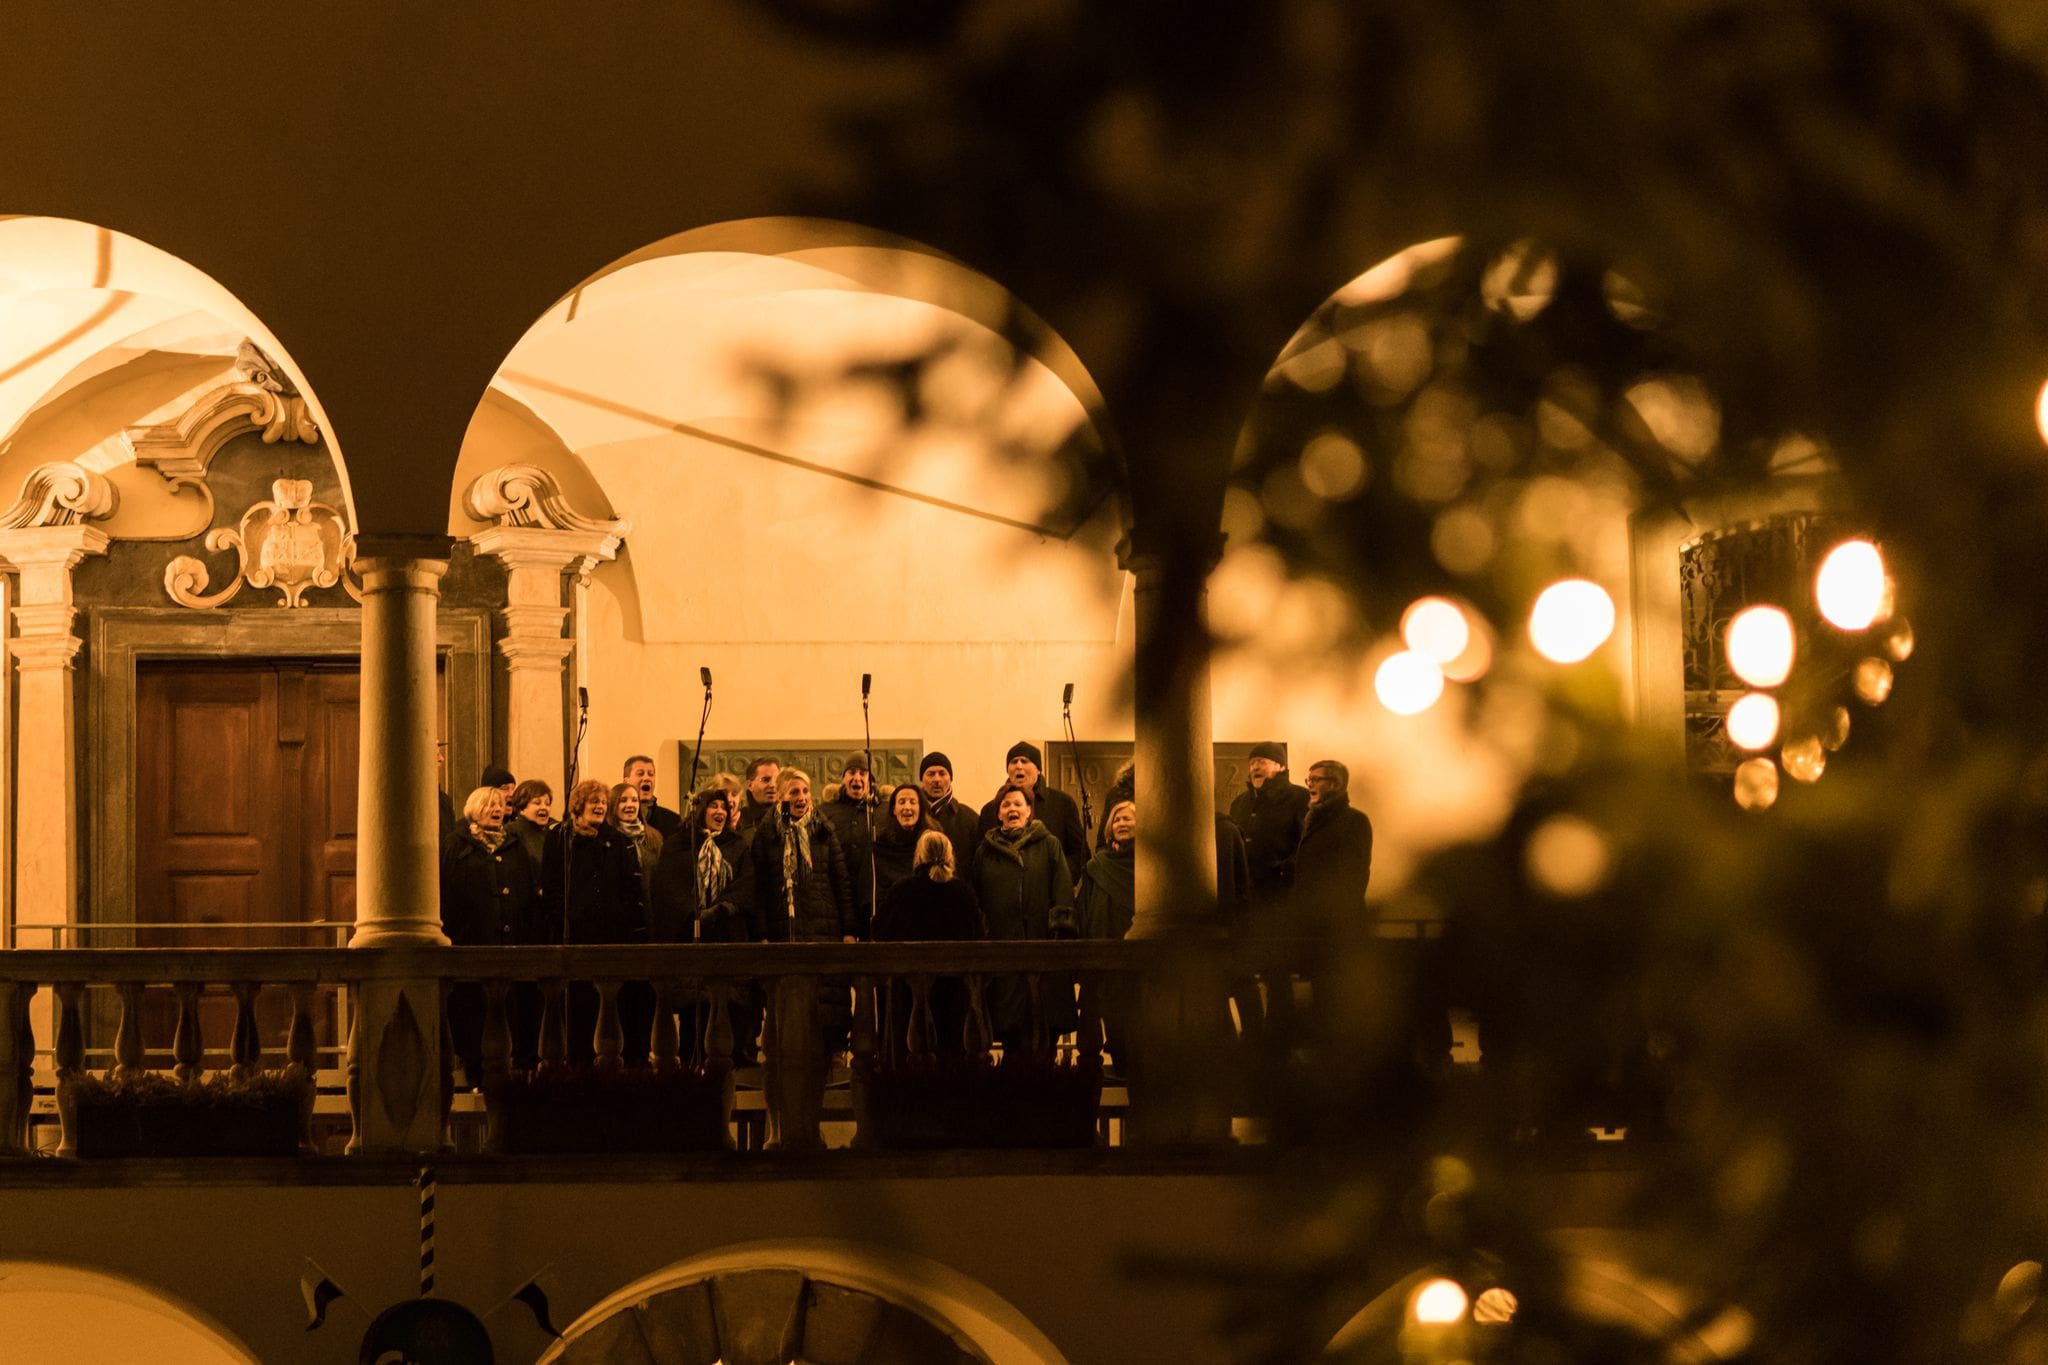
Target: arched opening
808 1300
827 453
63 1315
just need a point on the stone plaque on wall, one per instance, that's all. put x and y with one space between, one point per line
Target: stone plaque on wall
895 759
1099 762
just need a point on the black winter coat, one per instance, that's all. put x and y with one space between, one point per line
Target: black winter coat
824 910
606 903
667 823
1026 892
920 910
895 854
676 911
849 821
1270 819
960 823
1334 862
1057 812
487 895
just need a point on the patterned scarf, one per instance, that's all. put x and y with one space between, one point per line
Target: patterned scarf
796 850
489 838
714 874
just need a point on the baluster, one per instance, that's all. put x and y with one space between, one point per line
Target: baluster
920 1029
303 1057
1036 1033
797 1063
1088 1033
15 1054
497 1032
188 1048
70 1061
664 1044
554 1026
245 1049
974 1034
128 1035
609 1039
352 1072
718 1050
863 1056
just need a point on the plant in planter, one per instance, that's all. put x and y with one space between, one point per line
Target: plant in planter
151 1114
951 1100
575 1109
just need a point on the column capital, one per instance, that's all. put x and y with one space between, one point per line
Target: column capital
57 650
548 549
536 651
57 547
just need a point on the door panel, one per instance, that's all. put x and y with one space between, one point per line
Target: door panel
246 783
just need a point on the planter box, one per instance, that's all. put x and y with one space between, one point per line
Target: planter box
577 1110
916 1103
169 1120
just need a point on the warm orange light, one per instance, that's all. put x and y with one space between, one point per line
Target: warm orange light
1874 681
1570 620
1438 1303
1495 1305
1753 721
1850 588
2041 412
1756 784
1435 628
1408 683
1760 646
1804 759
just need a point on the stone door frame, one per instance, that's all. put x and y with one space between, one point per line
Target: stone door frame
120 639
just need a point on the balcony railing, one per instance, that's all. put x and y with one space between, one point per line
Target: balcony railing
558 1026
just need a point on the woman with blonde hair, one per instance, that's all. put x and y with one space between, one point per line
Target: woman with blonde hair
932 903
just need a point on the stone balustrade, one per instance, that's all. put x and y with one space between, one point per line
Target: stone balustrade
677 999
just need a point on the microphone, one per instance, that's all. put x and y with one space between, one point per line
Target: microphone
866 680
583 699
1067 697
704 672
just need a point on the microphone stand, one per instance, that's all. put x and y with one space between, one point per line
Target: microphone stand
697 920
569 849
1080 773
867 740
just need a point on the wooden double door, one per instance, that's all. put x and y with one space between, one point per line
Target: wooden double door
245 803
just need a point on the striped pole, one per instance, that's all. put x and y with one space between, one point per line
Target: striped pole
426 1184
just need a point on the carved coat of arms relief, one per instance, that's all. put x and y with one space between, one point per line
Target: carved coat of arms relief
290 543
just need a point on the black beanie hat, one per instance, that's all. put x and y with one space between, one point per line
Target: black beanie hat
1024 748
495 776
934 759
1271 749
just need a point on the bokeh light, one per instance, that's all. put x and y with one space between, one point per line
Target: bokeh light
1476 657
1850 588
1874 680
1436 628
1756 784
1567 857
1495 1306
1332 466
1837 732
1898 639
2041 412
1804 759
1521 281
1570 620
1438 1303
1408 683
1760 646
1753 721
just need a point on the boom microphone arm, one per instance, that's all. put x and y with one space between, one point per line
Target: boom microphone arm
1074 747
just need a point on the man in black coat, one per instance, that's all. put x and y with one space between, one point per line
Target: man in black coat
851 815
1050 806
758 801
638 773
1333 862
958 821
1269 813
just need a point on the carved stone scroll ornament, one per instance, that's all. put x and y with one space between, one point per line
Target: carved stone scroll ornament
60 494
525 495
262 400
290 543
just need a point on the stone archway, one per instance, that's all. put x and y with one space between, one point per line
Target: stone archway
817 1302
62 1315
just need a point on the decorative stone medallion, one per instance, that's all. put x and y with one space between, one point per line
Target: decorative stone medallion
289 543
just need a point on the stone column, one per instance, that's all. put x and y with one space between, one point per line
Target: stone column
43 537
1174 750
398 896
539 539
1180 1075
